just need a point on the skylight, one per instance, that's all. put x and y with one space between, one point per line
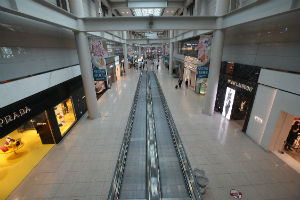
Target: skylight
147 11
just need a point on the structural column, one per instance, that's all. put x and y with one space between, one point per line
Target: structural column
196 8
140 55
171 52
185 11
98 8
85 63
125 50
216 59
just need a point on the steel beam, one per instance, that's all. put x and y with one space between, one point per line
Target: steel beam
107 36
147 41
189 34
41 11
142 23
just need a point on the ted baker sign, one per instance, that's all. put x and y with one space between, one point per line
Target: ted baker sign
13 116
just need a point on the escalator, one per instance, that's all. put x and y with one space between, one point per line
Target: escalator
152 163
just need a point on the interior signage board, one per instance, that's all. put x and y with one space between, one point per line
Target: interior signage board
202 71
99 74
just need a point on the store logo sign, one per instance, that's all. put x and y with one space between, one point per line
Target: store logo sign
240 85
13 116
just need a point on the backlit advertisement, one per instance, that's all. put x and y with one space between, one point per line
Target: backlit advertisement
227 106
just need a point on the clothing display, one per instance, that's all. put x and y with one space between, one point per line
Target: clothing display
11 145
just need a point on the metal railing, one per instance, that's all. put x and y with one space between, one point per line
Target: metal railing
193 190
114 192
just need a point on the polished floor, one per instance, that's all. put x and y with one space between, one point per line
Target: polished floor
82 165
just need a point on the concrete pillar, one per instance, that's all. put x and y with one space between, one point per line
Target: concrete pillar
85 63
196 8
203 8
140 54
98 8
125 50
171 52
109 12
216 59
185 11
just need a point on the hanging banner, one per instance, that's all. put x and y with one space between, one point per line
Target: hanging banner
98 60
204 50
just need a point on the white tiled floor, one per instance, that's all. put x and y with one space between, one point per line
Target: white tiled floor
82 165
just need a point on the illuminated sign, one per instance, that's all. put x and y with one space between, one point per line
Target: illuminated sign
13 116
240 85
229 98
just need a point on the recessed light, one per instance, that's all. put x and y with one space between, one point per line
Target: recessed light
127 12
122 12
167 11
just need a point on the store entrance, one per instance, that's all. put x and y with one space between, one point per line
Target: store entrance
21 150
286 138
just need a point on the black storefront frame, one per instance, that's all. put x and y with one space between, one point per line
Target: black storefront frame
16 114
241 78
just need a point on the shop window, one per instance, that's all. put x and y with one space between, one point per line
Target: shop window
21 150
292 142
65 115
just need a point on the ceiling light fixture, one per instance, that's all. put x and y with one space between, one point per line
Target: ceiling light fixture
147 11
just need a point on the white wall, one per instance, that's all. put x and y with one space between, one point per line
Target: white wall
29 47
260 113
284 81
275 55
270 100
20 89
286 102
269 43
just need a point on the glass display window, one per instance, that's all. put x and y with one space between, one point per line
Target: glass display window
65 115
21 150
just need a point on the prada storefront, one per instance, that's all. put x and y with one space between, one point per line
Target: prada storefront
30 127
236 91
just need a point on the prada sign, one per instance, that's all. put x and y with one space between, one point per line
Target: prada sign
13 116
240 85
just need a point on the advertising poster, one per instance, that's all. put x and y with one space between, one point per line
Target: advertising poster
204 47
98 60
204 51
227 106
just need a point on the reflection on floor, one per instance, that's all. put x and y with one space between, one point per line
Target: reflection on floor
294 154
290 161
14 167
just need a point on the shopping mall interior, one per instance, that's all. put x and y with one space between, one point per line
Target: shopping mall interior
138 99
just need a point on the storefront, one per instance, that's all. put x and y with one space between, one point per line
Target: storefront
236 91
190 71
118 67
29 128
276 109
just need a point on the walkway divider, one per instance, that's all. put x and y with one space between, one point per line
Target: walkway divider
193 189
114 192
152 162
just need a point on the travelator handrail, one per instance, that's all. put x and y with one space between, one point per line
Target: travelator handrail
185 165
152 162
114 191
